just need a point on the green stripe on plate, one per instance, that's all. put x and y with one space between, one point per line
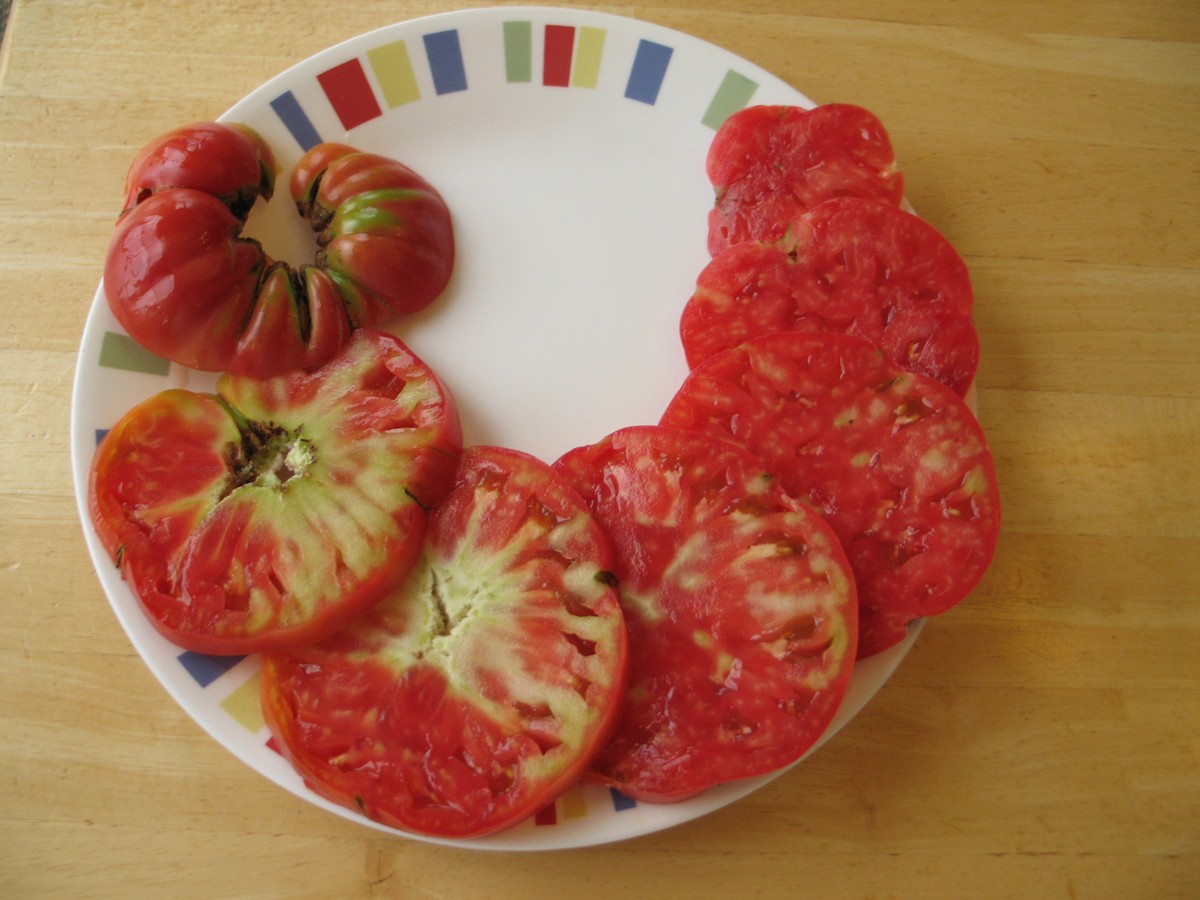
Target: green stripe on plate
120 351
733 94
518 52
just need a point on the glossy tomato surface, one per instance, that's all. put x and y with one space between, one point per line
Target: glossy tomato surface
273 512
847 265
385 233
895 462
740 608
483 686
231 163
770 163
187 284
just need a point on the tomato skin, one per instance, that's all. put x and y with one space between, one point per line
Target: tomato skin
769 163
178 278
895 462
230 162
482 687
186 284
380 226
740 609
274 512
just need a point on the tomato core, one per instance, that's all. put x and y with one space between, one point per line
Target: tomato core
268 456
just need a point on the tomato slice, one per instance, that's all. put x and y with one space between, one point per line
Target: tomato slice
847 265
479 690
769 163
273 512
739 604
895 461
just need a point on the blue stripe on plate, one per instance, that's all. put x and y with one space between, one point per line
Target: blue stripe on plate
206 669
288 108
620 802
445 61
649 68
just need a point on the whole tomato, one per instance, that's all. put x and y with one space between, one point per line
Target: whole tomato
185 283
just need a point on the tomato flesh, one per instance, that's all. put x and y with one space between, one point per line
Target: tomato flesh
273 512
481 688
896 462
851 266
739 604
769 163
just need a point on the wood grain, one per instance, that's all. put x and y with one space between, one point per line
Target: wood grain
1042 739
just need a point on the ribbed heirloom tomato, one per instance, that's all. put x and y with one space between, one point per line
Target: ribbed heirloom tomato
273 512
482 687
187 284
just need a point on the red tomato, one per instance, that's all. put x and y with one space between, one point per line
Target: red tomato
230 162
769 163
381 227
896 462
480 689
847 265
739 604
186 284
275 511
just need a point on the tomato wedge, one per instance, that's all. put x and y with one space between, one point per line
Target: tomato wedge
479 690
739 604
847 265
896 462
273 512
770 163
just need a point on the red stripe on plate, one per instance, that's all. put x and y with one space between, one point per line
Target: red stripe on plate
348 90
556 58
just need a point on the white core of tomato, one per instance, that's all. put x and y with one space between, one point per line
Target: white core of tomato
506 643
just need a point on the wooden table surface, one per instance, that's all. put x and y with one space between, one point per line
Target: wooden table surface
1041 740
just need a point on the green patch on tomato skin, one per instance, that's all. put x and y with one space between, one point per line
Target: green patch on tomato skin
371 211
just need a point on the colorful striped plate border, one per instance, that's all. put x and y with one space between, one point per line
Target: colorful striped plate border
586 101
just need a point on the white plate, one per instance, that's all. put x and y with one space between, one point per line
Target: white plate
570 148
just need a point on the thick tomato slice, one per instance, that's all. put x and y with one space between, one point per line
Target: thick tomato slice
769 163
896 462
479 690
848 265
273 512
740 609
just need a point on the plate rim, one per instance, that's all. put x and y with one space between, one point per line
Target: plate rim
129 614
